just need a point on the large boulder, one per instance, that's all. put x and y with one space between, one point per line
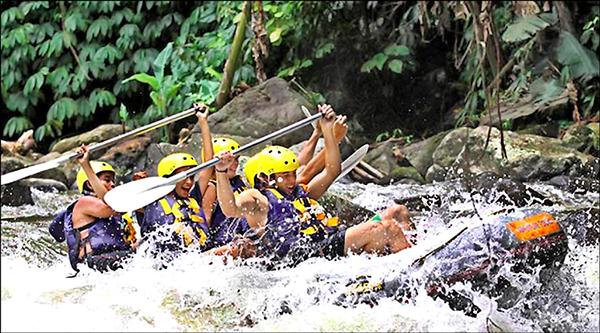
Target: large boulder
530 157
261 110
383 157
45 185
99 134
16 194
128 156
420 154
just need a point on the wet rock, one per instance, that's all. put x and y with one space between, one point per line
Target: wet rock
578 185
436 173
45 185
382 158
530 157
99 134
16 194
420 154
404 173
349 213
261 110
125 156
10 164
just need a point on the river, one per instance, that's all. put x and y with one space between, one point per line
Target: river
204 294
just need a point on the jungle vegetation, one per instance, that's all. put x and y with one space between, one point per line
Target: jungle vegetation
399 68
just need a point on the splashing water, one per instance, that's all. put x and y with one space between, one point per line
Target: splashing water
204 294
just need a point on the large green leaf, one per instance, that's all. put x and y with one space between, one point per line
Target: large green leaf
161 60
377 61
145 78
396 66
583 63
523 28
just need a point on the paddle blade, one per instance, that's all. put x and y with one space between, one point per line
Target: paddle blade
307 114
28 171
353 160
137 194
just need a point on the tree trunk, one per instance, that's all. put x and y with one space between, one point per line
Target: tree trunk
230 64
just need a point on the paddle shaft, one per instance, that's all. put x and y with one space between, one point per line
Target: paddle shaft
214 161
36 168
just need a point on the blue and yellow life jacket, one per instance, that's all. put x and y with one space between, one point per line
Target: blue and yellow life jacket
104 235
224 228
184 214
315 221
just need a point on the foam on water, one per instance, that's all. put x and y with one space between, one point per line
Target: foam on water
203 294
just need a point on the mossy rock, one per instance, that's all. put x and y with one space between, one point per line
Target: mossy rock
406 173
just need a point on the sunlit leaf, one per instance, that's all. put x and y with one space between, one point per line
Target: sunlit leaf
275 35
395 66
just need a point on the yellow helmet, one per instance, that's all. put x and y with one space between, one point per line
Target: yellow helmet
97 166
222 144
272 159
172 162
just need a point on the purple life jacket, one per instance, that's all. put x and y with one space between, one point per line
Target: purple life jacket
104 235
185 218
282 230
224 228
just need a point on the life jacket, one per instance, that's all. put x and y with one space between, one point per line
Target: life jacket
57 226
184 215
224 228
104 235
129 220
282 229
315 221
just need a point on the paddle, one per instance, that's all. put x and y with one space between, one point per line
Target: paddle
37 168
353 161
140 193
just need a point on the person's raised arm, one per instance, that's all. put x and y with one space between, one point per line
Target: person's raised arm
205 175
93 179
321 182
308 150
250 204
209 200
317 163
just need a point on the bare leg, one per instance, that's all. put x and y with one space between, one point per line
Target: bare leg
375 237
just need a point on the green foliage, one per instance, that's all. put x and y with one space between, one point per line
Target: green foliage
70 59
582 62
16 125
393 52
396 133
523 28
